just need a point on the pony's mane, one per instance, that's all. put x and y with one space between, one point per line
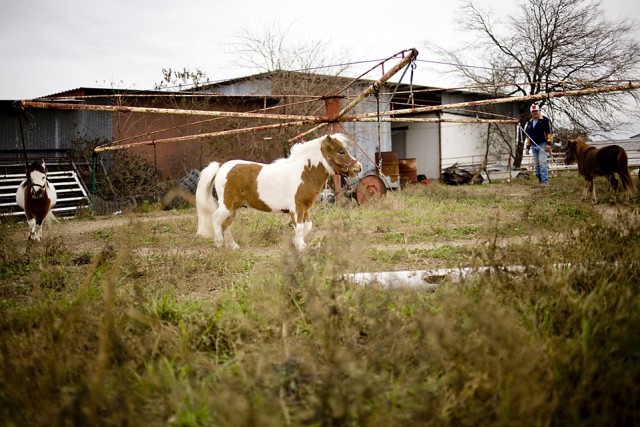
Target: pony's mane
38 166
302 149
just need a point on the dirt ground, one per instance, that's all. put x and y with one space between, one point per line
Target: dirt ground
88 235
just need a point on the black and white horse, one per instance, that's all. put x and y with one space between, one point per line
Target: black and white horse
36 195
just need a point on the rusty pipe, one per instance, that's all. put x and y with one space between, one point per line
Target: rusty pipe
150 110
108 147
577 92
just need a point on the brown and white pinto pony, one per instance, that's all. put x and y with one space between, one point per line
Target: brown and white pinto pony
605 161
290 185
36 195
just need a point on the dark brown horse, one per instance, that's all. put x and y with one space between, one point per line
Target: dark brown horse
605 161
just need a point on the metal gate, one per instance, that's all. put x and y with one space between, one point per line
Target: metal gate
70 190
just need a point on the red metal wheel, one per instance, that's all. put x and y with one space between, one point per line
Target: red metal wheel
371 187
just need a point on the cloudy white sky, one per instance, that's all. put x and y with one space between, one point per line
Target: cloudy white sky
51 46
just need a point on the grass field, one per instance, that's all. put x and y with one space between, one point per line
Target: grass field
132 320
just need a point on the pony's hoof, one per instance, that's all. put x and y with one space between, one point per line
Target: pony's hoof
234 246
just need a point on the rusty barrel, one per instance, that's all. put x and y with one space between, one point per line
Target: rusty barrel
408 170
390 166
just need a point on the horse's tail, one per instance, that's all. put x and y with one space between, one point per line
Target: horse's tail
625 176
205 202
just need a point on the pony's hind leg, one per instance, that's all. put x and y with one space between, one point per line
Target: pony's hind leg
218 218
614 187
226 232
222 220
592 189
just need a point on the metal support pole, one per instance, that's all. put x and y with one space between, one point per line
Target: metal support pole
332 107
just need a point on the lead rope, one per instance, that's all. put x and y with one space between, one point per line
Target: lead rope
24 146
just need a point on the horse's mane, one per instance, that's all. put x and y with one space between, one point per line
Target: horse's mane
303 149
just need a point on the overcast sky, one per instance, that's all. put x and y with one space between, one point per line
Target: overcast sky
49 46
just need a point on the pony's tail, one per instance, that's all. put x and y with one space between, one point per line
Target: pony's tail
205 202
625 176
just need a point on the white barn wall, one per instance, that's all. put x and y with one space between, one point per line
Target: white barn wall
462 143
423 144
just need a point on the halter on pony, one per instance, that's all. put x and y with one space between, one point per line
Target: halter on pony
290 185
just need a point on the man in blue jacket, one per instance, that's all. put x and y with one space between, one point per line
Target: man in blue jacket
539 135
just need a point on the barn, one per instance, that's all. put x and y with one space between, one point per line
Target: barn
67 136
58 135
434 145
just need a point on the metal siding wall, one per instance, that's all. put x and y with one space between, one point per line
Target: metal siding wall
50 133
252 87
174 159
94 125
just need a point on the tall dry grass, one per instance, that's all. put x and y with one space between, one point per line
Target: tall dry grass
154 328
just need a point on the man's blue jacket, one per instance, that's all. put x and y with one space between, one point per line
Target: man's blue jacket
540 132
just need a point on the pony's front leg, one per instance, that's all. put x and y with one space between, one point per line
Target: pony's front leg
298 238
585 190
31 223
308 225
38 231
592 189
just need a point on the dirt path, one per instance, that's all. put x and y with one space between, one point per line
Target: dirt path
88 235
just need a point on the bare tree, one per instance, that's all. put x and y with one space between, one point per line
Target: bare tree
274 48
553 45
176 80
300 71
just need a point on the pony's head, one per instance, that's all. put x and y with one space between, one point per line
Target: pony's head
334 149
37 179
571 149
